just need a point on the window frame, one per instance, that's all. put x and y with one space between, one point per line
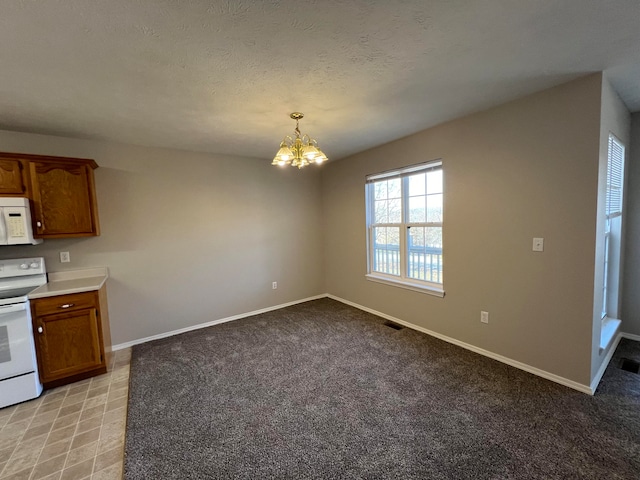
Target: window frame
402 280
614 207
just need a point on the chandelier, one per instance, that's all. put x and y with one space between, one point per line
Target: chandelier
299 151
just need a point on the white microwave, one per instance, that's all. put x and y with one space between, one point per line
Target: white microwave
15 222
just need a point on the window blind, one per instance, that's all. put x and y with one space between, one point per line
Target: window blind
400 172
615 174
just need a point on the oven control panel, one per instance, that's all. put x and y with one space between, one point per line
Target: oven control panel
30 264
19 267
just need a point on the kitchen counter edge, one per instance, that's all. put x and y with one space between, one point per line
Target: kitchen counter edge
71 281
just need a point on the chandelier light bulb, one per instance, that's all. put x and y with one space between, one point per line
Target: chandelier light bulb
299 150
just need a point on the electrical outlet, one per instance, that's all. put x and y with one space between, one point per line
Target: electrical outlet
484 317
65 257
274 285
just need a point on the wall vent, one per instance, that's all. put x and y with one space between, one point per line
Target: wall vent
393 325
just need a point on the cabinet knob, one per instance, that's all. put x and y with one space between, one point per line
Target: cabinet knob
67 305
39 224
40 330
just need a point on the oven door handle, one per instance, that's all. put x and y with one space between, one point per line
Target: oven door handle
18 307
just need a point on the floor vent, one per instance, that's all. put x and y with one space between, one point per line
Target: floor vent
630 365
393 325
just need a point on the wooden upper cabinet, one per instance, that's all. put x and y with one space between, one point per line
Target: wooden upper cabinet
12 181
63 199
62 192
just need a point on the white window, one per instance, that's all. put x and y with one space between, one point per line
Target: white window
404 225
613 227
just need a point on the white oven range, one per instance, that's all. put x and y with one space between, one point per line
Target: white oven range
19 379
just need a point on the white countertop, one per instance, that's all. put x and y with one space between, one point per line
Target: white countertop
72 281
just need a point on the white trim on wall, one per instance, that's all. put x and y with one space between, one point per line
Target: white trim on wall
590 389
605 363
630 336
612 350
514 363
121 346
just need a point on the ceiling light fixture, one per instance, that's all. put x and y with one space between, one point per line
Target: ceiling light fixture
299 151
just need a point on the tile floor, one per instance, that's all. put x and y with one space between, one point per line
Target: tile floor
72 432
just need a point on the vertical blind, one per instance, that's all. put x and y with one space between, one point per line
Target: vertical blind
615 171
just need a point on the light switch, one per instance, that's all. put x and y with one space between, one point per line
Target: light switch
538 244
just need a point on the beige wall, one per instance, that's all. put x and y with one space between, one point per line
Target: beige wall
526 169
189 238
614 118
631 284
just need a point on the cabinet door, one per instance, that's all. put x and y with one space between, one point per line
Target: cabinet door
11 180
64 199
68 344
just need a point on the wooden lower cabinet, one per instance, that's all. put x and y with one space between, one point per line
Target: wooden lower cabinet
71 336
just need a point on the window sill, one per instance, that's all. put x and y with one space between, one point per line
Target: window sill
435 291
608 332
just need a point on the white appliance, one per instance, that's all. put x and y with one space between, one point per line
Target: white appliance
19 379
15 222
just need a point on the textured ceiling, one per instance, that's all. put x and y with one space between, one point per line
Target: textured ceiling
223 76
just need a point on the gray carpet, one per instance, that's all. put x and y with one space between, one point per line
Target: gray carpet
321 390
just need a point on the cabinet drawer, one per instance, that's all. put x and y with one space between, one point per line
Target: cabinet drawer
64 303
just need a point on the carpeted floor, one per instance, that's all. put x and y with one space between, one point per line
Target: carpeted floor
322 390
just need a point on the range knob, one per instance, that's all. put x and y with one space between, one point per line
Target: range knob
24 266
34 265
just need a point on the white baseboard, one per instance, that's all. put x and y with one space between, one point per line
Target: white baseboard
605 363
630 336
121 346
607 360
514 363
590 389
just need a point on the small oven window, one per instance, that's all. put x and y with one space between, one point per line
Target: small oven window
5 352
